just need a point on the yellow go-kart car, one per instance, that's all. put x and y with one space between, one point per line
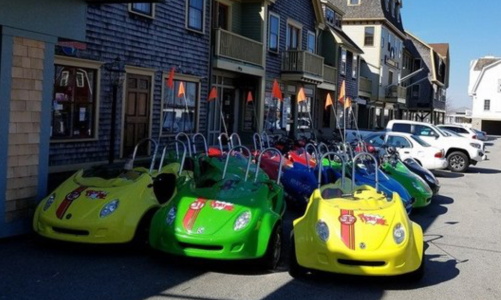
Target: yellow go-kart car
109 204
357 231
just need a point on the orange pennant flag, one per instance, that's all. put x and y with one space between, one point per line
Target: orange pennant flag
170 80
181 90
342 92
347 103
301 95
276 92
249 97
212 94
328 101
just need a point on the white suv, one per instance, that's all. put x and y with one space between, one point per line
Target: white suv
460 152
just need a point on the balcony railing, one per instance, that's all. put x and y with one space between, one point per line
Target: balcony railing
365 85
296 61
330 74
237 47
396 92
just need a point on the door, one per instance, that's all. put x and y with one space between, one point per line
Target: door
137 113
229 110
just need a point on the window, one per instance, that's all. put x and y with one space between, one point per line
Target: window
387 5
180 113
415 91
274 42
195 15
74 103
398 13
406 128
223 16
499 85
369 36
311 42
417 64
390 77
339 20
353 2
421 130
330 16
343 62
390 41
398 142
375 140
354 68
393 2
487 105
144 9
293 37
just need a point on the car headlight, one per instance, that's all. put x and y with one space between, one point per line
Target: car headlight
171 216
242 221
49 202
399 233
475 145
322 230
417 187
429 178
109 208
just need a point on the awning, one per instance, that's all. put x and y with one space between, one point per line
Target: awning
344 41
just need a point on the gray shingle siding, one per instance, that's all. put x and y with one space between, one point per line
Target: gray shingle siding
298 10
159 44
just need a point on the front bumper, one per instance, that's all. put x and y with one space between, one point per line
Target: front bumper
235 247
92 233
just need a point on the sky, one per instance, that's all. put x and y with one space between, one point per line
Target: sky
471 27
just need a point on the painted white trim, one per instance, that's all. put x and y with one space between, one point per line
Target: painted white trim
89 64
152 16
479 79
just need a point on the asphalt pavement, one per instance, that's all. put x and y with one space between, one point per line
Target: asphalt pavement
463 260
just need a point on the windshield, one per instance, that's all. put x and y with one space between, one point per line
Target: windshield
451 133
420 141
440 130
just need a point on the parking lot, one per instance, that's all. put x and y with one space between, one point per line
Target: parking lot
463 260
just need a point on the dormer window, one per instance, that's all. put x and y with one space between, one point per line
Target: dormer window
330 16
387 2
338 21
393 2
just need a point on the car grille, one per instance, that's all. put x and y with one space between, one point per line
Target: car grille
361 263
70 231
201 247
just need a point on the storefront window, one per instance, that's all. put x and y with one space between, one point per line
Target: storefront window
277 114
179 113
74 103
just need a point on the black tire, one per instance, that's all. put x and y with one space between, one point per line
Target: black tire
141 237
271 258
458 162
417 275
295 270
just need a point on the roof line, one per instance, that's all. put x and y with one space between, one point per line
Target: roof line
477 83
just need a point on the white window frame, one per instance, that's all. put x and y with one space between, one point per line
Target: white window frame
354 4
187 9
88 64
133 11
308 35
354 66
373 36
269 30
345 61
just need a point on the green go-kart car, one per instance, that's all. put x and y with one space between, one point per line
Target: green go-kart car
230 218
415 185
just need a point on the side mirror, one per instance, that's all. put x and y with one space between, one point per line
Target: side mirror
436 137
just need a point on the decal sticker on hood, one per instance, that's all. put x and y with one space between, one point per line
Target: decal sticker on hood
347 220
220 205
94 195
373 219
63 207
192 213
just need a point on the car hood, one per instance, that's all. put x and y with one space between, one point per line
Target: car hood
364 224
74 202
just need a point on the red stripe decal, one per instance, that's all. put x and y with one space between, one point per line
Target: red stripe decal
192 213
347 220
63 207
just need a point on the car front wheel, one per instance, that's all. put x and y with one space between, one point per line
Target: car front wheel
458 161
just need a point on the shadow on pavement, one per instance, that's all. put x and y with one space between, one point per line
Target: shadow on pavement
427 215
48 270
475 170
446 174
